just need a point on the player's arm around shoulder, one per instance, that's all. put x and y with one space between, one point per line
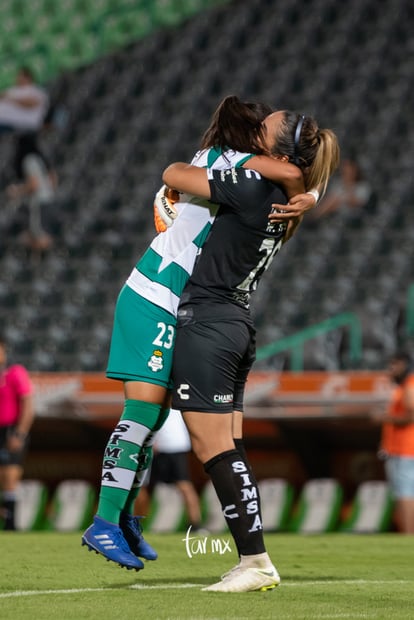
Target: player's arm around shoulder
278 170
186 178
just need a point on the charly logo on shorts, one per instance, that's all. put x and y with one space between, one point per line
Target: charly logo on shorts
223 398
156 361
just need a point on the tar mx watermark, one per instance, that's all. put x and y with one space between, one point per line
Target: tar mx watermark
201 545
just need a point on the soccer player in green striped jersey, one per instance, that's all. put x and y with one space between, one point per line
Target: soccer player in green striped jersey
145 324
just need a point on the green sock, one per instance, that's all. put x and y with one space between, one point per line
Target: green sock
163 415
145 460
122 456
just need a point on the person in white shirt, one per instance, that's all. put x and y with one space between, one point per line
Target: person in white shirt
23 107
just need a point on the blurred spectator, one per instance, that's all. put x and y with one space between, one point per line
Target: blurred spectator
16 418
23 107
35 192
170 464
397 445
348 193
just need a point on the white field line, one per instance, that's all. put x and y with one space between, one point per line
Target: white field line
181 586
344 615
164 586
348 582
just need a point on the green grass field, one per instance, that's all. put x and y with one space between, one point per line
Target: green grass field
47 575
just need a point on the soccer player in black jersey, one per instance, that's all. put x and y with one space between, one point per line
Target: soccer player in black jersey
144 332
215 344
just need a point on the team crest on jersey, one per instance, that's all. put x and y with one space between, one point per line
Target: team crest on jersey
156 361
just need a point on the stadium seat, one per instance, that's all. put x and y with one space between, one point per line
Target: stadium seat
119 115
276 497
72 506
31 505
212 514
318 507
371 509
167 511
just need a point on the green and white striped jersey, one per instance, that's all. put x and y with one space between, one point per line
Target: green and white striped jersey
162 272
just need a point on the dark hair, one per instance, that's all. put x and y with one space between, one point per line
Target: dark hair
315 151
401 356
359 176
27 72
237 125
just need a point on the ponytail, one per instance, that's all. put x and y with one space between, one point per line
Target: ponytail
325 162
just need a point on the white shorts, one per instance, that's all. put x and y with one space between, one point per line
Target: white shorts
400 475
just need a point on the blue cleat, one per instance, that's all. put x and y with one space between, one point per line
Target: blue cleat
108 540
132 530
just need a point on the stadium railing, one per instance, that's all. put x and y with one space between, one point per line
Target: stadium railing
294 343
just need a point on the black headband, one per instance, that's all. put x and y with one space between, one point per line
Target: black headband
297 139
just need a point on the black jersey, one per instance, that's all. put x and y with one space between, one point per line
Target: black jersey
242 241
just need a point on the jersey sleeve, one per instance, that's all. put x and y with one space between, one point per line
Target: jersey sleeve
21 381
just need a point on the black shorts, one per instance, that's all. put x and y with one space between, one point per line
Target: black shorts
211 364
7 457
170 468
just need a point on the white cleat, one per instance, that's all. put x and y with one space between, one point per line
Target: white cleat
231 571
246 580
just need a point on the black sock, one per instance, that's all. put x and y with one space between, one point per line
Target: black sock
8 510
239 498
239 443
